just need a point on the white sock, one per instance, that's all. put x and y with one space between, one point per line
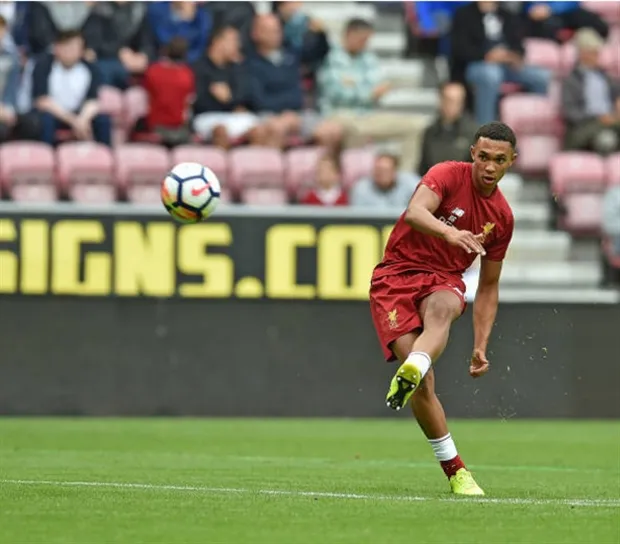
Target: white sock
443 447
422 361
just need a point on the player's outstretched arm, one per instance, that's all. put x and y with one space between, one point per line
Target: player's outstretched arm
419 216
485 310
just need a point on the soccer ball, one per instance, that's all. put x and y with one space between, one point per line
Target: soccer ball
190 192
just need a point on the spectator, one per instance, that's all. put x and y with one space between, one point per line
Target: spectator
350 86
224 93
185 20
328 190
549 19
611 223
169 83
449 137
302 34
591 100
119 39
277 91
239 15
487 51
9 82
387 188
65 91
44 20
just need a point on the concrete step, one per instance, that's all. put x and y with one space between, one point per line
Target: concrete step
538 245
533 217
388 44
404 73
409 98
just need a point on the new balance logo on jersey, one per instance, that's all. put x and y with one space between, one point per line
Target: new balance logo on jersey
455 214
458 212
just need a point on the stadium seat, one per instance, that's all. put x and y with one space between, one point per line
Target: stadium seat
610 10
300 168
135 106
258 167
543 53
582 213
264 196
27 171
577 172
535 152
213 157
613 169
531 114
140 168
86 172
356 164
111 103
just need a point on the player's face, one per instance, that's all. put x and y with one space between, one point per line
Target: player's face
492 159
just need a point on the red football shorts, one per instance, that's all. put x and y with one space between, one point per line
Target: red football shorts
395 302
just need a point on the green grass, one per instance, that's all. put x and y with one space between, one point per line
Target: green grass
221 475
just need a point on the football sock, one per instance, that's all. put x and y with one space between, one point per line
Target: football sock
422 361
446 454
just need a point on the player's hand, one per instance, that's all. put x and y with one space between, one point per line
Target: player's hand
479 364
465 240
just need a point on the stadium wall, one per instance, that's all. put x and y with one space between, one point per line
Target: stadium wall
113 315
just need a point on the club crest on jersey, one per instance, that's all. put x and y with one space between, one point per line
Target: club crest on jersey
393 318
486 230
455 214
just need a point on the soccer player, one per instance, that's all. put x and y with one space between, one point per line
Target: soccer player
456 213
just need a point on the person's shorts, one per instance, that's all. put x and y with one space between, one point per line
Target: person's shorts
237 124
395 303
310 120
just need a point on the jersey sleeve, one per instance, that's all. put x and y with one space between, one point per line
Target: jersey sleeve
441 178
496 251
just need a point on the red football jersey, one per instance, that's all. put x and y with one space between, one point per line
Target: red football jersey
170 87
462 206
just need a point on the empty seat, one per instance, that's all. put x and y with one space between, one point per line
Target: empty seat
86 172
212 157
27 171
577 172
610 10
531 114
613 169
535 152
356 164
543 53
135 106
255 167
300 168
111 102
269 196
583 213
140 169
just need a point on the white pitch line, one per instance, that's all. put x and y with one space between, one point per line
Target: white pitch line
600 503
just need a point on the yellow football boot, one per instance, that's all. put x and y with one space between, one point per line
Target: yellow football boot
404 383
463 483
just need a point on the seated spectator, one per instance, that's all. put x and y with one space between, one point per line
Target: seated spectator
277 91
450 135
44 20
186 20
350 87
65 92
611 222
302 34
239 15
328 190
487 51
591 100
9 82
224 93
387 188
548 19
119 39
169 83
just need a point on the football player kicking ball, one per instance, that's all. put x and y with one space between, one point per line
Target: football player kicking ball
456 213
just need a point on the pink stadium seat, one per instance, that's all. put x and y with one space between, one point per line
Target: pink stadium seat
86 172
356 164
111 102
300 168
535 152
582 213
531 114
577 172
135 106
608 59
264 196
140 168
543 53
610 11
255 167
27 171
213 157
613 169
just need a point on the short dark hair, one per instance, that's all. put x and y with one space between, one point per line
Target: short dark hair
357 24
66 35
176 49
394 158
219 33
497 131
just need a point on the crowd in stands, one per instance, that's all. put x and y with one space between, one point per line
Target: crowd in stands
221 74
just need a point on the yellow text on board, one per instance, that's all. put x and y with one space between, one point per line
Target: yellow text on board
68 257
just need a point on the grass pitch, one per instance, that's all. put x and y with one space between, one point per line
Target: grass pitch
235 481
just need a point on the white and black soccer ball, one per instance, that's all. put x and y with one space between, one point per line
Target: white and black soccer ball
190 192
